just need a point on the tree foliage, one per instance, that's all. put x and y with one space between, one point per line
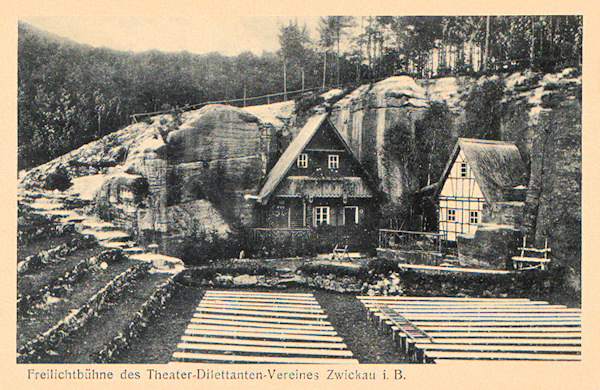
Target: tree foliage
434 140
331 29
70 94
483 111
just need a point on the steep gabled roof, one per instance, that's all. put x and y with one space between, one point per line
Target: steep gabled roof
496 165
289 157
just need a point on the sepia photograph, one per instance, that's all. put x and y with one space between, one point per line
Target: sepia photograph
329 191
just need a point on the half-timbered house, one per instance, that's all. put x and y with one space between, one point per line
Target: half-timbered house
481 180
317 181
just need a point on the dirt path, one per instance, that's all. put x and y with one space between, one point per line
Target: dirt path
160 339
368 343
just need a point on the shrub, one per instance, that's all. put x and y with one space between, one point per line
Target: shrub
339 270
140 189
58 180
105 212
381 266
200 248
307 101
484 111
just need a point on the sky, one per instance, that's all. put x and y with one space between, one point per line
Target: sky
229 35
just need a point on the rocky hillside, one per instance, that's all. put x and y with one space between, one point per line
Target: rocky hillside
196 171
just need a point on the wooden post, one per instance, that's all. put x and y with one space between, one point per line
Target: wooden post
420 355
403 343
284 79
410 348
324 68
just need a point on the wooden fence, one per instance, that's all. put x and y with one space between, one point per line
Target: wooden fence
263 99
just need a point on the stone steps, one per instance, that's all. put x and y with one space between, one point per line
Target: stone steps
107 234
95 311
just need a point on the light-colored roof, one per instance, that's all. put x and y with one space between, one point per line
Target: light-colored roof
290 155
497 166
288 158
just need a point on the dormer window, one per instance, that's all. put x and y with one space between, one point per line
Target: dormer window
302 160
334 161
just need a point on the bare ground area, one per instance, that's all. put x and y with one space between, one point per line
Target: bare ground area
159 340
368 343
35 279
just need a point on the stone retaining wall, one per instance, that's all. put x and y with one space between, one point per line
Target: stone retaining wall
56 253
140 321
335 283
411 256
77 319
69 278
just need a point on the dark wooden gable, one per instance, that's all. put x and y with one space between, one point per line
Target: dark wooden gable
325 139
318 140
326 142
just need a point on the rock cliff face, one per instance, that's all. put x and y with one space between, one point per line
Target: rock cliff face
177 174
363 116
554 198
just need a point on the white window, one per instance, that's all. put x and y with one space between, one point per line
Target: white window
474 217
451 215
303 160
321 215
334 161
463 169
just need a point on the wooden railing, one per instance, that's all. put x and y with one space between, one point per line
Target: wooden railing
263 99
532 258
410 240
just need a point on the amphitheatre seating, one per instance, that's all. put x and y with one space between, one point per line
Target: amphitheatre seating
434 329
261 327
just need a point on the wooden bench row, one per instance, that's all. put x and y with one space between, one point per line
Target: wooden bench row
254 327
264 343
262 319
200 358
471 333
277 308
263 350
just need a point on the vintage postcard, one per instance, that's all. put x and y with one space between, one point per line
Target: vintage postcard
371 197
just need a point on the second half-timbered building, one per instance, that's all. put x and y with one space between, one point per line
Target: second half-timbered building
317 181
479 176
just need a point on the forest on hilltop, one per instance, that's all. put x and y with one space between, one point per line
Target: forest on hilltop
70 94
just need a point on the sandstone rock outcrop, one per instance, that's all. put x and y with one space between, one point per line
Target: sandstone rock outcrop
202 167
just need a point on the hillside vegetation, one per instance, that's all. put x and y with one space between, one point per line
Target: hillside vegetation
70 94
